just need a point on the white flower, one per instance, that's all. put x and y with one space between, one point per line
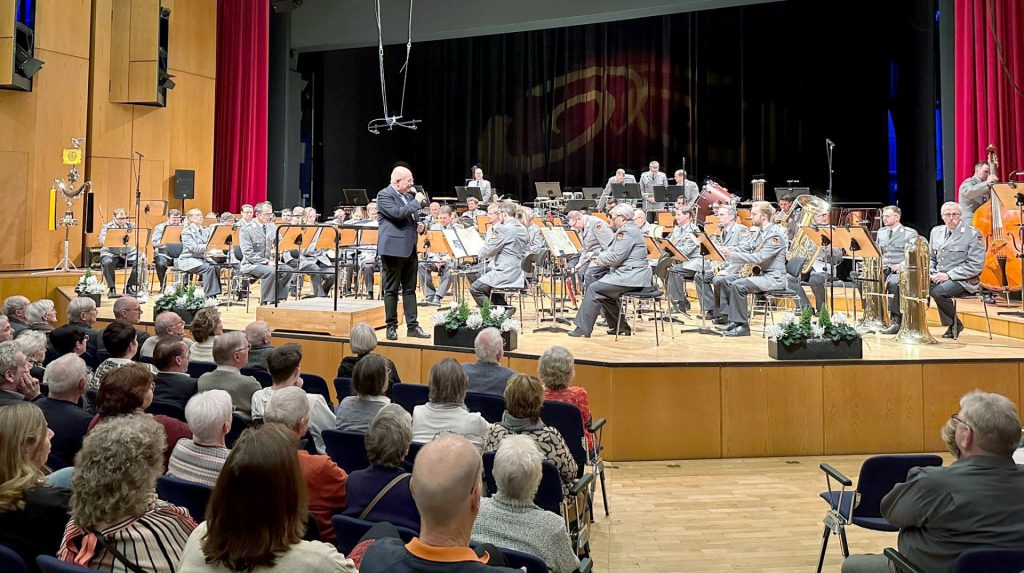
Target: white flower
210 302
169 290
199 292
452 305
817 331
180 301
788 319
839 318
774 332
474 321
440 318
511 324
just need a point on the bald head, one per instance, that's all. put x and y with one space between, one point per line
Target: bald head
257 332
446 484
401 178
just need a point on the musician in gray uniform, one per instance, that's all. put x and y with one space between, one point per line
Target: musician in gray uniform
683 238
770 255
975 191
194 239
690 190
620 177
472 211
368 260
640 218
823 269
892 240
957 257
314 260
535 242
789 213
437 263
160 259
648 181
114 258
595 236
628 271
430 220
257 242
506 248
482 184
711 284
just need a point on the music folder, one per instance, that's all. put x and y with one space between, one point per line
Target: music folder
559 243
667 247
463 242
122 241
223 237
172 234
708 247
626 191
289 238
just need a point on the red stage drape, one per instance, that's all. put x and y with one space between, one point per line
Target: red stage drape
240 127
989 84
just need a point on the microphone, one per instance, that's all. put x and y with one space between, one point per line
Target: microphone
139 154
829 142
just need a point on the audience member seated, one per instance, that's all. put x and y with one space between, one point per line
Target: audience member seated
363 341
127 309
446 409
509 518
387 445
446 485
173 384
370 383
32 514
524 398
167 325
324 479
129 390
258 335
200 458
69 339
113 484
121 342
285 370
6 332
33 345
14 310
241 535
16 384
41 316
977 501
206 327
67 377
487 375
556 370
231 352
82 312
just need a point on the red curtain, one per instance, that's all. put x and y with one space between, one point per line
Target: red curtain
240 125
989 84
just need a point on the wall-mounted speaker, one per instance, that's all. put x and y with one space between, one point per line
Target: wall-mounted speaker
184 184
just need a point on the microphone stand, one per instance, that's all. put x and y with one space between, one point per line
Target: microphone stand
829 147
138 221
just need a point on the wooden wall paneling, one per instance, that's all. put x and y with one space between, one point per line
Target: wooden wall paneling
193 37
32 287
142 77
406 362
525 365
117 40
61 27
772 411
945 384
151 127
598 382
191 106
873 408
111 182
14 180
430 357
667 413
320 356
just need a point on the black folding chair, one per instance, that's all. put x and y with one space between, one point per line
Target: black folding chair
568 420
261 376
347 449
490 406
343 388
314 384
983 560
409 396
191 495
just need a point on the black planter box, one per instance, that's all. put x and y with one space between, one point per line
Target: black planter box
817 350
464 337
95 298
186 315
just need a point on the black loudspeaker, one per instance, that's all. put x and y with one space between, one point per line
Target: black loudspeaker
184 184
87 213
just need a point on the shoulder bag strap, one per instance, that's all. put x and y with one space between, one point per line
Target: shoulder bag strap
382 493
117 554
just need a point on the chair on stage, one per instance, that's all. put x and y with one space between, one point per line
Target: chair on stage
772 301
568 420
651 296
980 296
409 395
190 495
240 283
347 449
878 475
983 560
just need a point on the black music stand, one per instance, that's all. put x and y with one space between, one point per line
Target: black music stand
708 250
663 194
548 189
465 193
629 191
355 197
121 239
593 193
580 205
560 248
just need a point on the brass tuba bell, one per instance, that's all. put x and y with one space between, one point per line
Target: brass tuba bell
914 291
875 299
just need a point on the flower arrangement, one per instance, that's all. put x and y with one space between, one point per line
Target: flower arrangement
89 284
792 330
190 297
459 316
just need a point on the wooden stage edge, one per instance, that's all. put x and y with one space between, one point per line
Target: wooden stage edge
708 397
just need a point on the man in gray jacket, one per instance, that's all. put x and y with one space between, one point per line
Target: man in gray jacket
975 191
487 375
975 502
257 241
505 250
957 257
892 240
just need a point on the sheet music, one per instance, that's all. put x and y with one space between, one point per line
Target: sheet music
559 242
465 242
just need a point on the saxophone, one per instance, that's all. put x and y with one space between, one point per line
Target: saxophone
914 292
751 269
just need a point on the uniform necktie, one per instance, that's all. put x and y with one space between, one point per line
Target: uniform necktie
948 233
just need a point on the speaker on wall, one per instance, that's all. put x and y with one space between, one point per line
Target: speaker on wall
184 184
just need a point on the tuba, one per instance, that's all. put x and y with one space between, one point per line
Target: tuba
914 292
802 245
876 309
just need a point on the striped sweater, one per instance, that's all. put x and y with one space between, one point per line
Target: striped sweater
193 462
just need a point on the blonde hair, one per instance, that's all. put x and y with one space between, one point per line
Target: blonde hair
22 432
524 396
205 324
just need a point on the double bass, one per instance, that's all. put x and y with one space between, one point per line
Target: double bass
1002 270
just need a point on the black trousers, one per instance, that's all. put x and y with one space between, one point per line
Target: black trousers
399 276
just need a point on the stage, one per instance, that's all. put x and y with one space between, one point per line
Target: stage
700 396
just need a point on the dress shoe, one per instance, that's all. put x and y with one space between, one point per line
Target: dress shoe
721 320
959 326
726 327
707 316
392 333
894 329
416 332
434 302
578 334
423 303
740 330
623 332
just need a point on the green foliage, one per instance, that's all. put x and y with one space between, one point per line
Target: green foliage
793 330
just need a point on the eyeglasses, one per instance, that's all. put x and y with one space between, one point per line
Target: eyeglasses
956 418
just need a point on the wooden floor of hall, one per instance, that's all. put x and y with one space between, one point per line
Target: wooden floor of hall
752 514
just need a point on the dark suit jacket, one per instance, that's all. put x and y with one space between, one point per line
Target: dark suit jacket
397 223
258 356
174 388
69 422
975 502
92 347
487 377
17 325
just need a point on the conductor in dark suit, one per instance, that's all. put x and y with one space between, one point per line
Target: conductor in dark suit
396 246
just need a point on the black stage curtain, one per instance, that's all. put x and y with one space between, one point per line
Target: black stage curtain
736 93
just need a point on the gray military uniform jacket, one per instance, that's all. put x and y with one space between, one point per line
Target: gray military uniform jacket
611 180
769 252
193 246
127 252
893 242
691 192
506 245
684 240
626 258
314 255
535 242
973 194
257 244
737 237
961 256
596 235
485 189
